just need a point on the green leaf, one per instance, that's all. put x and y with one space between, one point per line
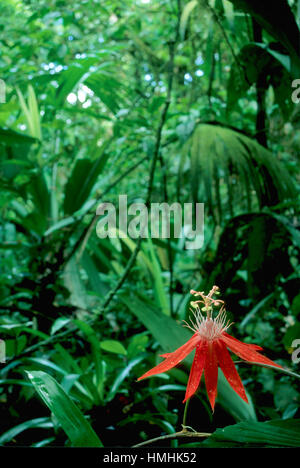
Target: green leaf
113 346
291 334
137 345
69 78
61 224
254 310
122 376
45 364
274 433
14 382
255 60
70 418
99 363
72 379
38 423
107 88
31 112
75 284
9 137
16 346
58 324
159 288
188 8
285 396
44 442
216 152
278 21
83 179
40 194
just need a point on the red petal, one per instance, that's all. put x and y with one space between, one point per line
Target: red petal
173 358
253 346
196 370
211 374
228 368
246 352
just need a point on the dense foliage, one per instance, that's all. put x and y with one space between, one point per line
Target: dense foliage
162 101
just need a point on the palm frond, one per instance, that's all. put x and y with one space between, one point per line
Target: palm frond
231 172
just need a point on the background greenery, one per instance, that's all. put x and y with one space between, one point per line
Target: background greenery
162 100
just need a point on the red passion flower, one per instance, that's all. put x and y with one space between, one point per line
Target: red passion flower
211 342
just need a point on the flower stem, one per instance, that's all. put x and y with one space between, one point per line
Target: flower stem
185 414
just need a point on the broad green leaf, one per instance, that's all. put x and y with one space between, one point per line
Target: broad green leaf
274 433
14 149
95 283
188 8
255 60
137 345
83 179
11 137
58 324
278 21
75 284
282 58
38 189
16 346
113 346
69 416
292 333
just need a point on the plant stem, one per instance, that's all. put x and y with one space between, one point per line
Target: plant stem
176 435
185 413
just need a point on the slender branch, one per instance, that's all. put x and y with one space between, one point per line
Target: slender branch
176 435
170 253
261 86
219 23
164 169
211 78
134 254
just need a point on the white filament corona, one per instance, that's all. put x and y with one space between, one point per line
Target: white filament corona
208 328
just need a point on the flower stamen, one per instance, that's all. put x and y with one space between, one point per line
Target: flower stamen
208 328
